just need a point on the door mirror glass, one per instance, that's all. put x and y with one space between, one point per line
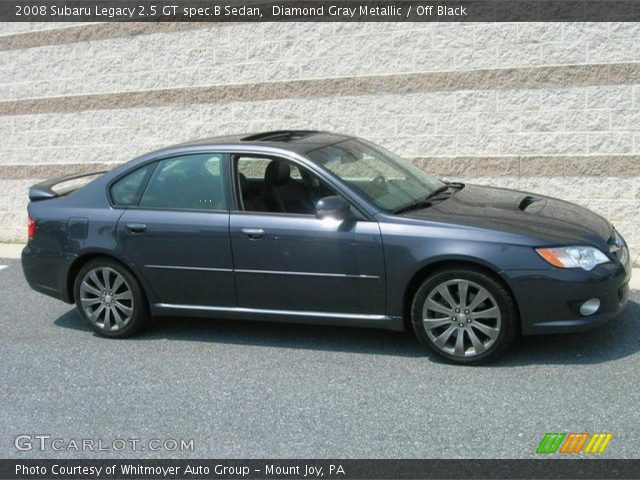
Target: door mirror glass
332 207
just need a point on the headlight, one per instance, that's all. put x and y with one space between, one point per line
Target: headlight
573 257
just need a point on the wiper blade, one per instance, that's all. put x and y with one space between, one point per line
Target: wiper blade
427 200
445 188
437 192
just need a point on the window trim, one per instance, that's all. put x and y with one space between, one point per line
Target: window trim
368 210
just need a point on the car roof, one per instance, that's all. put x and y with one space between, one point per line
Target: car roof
299 141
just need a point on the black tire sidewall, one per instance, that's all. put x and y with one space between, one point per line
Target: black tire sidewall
140 311
503 297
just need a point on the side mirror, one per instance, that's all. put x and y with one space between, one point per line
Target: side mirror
332 207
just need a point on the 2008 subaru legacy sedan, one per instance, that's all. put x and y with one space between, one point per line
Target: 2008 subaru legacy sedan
315 227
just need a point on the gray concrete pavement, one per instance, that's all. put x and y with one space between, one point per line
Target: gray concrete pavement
244 389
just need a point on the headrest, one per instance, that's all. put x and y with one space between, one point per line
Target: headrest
277 172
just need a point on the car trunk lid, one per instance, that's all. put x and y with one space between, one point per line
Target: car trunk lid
60 186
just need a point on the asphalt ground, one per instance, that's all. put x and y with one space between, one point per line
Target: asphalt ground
269 390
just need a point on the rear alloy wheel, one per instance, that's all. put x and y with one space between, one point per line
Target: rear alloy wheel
464 315
110 299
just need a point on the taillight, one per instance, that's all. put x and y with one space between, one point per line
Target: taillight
31 228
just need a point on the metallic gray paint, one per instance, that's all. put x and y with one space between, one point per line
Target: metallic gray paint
356 272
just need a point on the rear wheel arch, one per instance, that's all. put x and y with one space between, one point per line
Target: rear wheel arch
429 269
109 297
82 260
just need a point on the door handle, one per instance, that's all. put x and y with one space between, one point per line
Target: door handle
253 233
135 227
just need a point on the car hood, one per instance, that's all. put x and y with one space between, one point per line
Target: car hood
548 220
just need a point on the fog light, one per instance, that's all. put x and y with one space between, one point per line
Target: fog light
590 307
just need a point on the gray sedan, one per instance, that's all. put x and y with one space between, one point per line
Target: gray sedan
307 226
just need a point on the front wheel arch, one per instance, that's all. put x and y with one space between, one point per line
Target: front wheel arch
485 327
427 270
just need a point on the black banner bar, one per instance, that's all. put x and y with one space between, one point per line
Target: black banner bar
319 11
315 469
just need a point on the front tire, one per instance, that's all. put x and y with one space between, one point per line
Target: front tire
464 315
110 299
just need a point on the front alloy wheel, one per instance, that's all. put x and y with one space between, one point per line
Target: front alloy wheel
464 315
461 318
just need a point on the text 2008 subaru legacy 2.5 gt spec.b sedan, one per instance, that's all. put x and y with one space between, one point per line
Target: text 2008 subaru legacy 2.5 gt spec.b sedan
309 226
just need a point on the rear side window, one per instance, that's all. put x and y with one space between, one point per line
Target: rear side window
190 182
127 190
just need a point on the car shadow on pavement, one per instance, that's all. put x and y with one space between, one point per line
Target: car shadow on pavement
270 334
614 340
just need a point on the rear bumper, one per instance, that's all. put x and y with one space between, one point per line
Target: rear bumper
550 300
45 272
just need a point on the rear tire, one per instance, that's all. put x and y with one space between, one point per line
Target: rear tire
464 315
110 299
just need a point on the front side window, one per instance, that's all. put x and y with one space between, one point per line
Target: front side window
190 182
275 185
382 177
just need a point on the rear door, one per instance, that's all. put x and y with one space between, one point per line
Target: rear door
177 233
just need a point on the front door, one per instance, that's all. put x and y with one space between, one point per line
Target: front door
301 263
288 260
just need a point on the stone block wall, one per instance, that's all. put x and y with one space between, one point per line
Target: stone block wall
550 108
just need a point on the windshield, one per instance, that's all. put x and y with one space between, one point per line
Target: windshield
381 176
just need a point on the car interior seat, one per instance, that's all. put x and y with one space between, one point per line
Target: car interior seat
251 200
281 193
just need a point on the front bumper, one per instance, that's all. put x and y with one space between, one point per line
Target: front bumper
550 300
